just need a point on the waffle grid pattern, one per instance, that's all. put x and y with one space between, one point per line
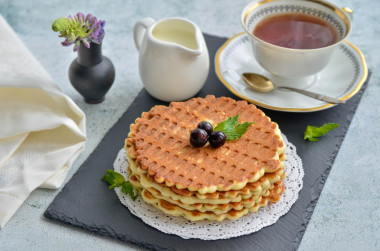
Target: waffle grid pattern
159 144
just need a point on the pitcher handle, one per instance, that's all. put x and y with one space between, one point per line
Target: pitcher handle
139 30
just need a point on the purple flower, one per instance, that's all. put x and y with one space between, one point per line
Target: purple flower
67 43
80 29
85 42
79 17
89 17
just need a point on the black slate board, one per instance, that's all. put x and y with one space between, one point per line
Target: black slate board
87 203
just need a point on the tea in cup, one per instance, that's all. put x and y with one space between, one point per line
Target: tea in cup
294 39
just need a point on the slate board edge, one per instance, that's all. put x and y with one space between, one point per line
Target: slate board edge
311 206
54 215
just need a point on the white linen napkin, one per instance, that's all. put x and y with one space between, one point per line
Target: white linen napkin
42 131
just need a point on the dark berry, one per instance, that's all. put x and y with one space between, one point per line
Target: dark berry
217 139
198 137
205 126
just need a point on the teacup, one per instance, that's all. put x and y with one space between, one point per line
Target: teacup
293 66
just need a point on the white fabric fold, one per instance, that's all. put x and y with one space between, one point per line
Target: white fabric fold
42 131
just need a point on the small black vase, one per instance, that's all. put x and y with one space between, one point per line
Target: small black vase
91 73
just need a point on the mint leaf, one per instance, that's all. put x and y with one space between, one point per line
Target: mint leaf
242 128
232 129
127 188
312 132
227 124
116 179
231 134
113 178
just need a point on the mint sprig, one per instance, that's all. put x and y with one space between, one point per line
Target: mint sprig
312 133
231 127
116 180
127 188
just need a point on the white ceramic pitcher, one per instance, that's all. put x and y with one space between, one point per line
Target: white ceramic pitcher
173 60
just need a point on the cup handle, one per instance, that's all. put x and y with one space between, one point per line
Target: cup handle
349 12
139 30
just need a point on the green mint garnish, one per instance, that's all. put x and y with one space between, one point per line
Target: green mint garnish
113 178
231 127
313 132
116 179
127 188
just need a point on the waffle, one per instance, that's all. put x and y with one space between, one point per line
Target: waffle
272 194
205 183
256 188
195 215
158 143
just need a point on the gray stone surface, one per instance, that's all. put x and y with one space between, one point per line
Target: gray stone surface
347 215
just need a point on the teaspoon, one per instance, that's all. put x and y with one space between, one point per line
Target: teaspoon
260 83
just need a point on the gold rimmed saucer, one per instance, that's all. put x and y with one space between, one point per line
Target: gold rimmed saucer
342 78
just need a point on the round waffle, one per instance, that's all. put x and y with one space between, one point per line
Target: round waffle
195 215
159 145
205 183
272 194
219 197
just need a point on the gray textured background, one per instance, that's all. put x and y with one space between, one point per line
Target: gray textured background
347 215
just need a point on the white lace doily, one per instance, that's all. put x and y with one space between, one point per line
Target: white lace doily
214 230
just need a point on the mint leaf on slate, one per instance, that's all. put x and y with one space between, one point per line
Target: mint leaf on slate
113 178
116 179
312 132
232 129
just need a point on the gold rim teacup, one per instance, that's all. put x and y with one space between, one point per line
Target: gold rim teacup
294 67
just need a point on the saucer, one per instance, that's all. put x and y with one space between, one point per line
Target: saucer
342 78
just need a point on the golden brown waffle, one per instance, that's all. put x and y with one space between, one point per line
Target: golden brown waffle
217 197
159 145
272 194
195 215
205 183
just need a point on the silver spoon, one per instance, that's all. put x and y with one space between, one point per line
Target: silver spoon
260 83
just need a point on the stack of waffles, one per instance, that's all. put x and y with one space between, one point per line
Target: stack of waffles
205 183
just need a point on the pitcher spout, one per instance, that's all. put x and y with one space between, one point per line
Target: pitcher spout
199 49
191 52
181 33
